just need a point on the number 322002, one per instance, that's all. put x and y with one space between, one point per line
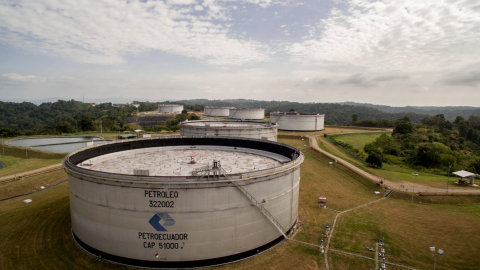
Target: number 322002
161 204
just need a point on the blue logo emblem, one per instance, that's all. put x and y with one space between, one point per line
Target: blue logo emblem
163 218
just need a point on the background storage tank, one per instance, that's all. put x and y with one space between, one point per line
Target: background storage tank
181 201
149 120
217 111
298 121
170 108
247 114
230 128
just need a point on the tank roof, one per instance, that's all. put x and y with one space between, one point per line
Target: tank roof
176 161
229 124
295 113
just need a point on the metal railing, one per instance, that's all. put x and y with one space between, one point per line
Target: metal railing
262 209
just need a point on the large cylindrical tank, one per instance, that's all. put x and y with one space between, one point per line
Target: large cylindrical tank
164 202
218 111
230 128
247 114
298 121
170 108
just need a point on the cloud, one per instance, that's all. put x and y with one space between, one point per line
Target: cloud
358 80
103 32
406 36
471 78
386 78
23 79
262 3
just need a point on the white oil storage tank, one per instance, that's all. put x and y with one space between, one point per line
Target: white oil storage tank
170 108
179 202
230 128
298 121
217 111
247 114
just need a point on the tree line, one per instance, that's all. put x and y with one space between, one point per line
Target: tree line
434 144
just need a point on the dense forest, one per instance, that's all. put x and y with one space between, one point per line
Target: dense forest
72 116
434 144
450 112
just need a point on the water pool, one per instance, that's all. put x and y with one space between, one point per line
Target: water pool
57 144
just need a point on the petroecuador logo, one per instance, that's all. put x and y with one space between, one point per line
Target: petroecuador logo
158 221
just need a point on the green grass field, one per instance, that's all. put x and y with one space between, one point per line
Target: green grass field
30 184
15 160
37 235
359 140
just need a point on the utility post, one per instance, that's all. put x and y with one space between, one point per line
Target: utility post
413 191
3 150
26 153
448 180
101 127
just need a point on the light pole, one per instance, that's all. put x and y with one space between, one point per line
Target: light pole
440 252
413 190
448 180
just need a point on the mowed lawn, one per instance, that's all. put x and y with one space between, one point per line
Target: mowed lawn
15 161
410 231
359 140
30 184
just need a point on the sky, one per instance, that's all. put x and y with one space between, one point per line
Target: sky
390 52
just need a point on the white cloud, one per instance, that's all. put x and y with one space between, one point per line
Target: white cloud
470 78
180 2
102 32
392 35
262 3
21 78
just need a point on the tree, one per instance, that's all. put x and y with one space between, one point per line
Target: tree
403 128
86 123
64 127
184 111
374 160
432 154
354 118
292 110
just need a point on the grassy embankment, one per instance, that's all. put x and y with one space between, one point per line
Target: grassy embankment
38 234
402 175
15 160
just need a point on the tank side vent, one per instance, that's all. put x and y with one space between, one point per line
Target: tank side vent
261 208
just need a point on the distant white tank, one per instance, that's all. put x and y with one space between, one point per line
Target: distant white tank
170 108
298 121
230 128
217 111
247 114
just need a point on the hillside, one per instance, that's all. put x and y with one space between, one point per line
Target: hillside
450 112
